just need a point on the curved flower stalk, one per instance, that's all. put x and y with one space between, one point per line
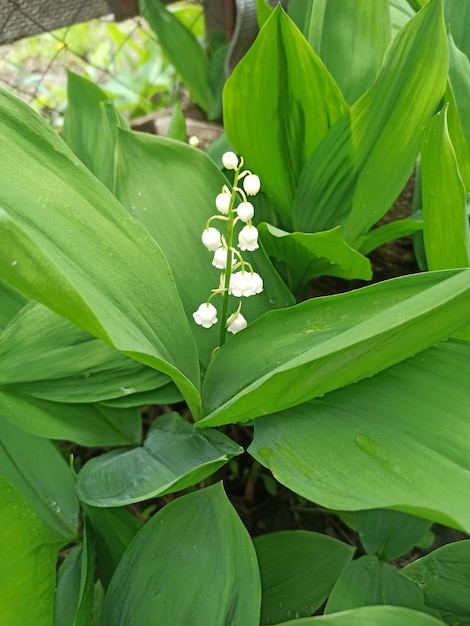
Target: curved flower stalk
238 277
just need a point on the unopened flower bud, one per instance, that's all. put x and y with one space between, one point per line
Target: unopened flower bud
248 238
211 238
230 160
222 202
206 315
251 184
237 324
245 211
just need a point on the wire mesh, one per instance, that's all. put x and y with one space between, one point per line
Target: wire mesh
123 58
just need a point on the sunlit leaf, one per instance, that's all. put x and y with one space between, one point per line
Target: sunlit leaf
351 38
359 168
276 112
326 343
67 242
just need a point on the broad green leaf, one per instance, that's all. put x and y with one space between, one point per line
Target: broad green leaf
44 355
298 571
75 584
359 168
114 529
66 242
370 581
85 424
389 534
174 456
90 127
11 303
182 48
351 38
29 554
445 223
444 577
171 188
457 16
279 103
39 472
323 344
371 616
309 255
192 563
459 82
388 232
381 442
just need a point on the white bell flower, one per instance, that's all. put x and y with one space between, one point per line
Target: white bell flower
222 202
206 315
245 211
248 238
211 238
245 284
230 160
256 283
220 258
238 324
251 184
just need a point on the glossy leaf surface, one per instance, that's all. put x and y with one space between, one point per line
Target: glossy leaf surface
68 243
389 534
174 456
330 342
444 576
192 563
44 355
309 255
90 127
368 581
381 442
351 38
27 574
298 571
86 424
279 102
359 168
39 472
445 223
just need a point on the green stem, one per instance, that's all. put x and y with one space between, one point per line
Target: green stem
228 267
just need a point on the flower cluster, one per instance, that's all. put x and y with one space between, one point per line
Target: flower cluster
238 277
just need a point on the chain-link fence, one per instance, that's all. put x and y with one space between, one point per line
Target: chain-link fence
117 50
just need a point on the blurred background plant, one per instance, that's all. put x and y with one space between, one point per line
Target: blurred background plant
125 59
